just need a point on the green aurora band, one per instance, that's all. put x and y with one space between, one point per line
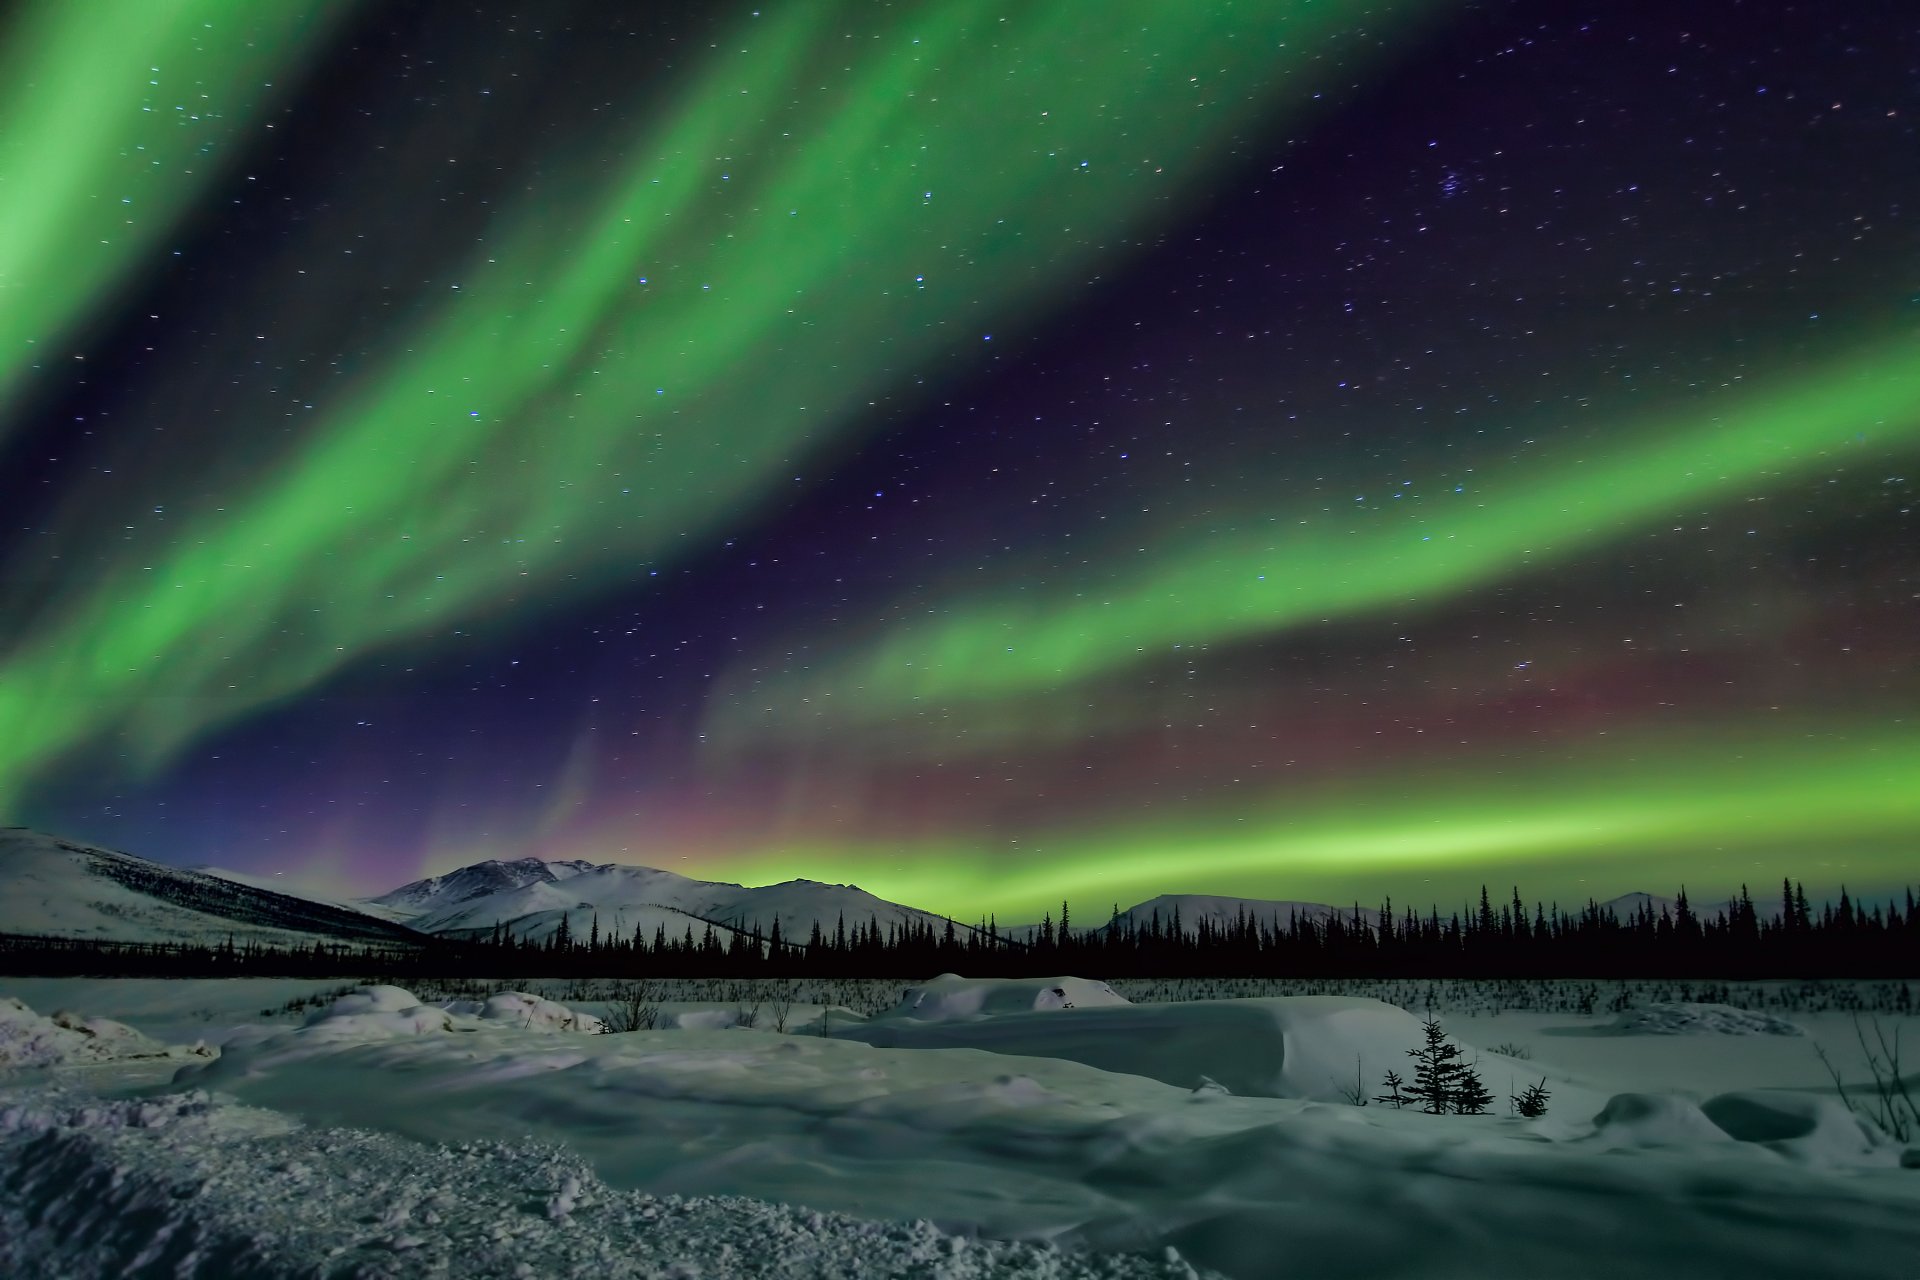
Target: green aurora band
817 219
1739 805
1289 565
114 115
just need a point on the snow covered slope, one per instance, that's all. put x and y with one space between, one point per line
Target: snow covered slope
61 888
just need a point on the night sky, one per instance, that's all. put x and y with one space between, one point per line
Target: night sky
985 452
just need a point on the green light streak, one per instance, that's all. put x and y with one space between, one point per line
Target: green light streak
1295 567
1765 792
815 219
114 114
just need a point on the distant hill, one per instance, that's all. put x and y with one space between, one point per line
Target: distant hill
53 887
1216 910
1627 904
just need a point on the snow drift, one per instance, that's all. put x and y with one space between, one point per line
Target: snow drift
29 1040
1280 1047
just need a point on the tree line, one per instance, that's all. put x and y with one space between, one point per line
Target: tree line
1843 940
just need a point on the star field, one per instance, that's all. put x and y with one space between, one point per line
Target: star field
986 455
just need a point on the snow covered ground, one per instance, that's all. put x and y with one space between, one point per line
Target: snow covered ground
374 1136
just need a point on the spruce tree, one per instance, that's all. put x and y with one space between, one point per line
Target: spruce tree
1470 1096
1437 1072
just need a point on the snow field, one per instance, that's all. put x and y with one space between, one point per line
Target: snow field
1044 1147
1206 1127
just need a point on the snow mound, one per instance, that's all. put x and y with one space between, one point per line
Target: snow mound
190 1187
950 996
1654 1120
29 1040
1811 1128
1677 1019
528 1012
1280 1047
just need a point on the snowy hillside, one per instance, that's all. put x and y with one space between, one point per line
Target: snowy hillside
274 884
60 888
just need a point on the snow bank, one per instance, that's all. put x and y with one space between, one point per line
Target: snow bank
1815 1129
66 1039
1678 1018
1280 1047
950 996
375 1013
188 1187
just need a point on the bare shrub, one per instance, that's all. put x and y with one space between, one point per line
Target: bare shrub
632 1007
1356 1094
781 1003
1892 1107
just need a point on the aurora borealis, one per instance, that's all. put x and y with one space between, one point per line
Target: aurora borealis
970 450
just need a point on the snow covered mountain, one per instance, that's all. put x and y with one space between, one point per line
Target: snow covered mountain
436 893
626 898
53 887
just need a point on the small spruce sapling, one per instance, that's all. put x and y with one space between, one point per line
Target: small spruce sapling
1393 1096
1533 1103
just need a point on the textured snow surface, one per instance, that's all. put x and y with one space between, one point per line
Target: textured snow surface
1677 1019
392 1138
186 1186
1761 1184
29 1040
